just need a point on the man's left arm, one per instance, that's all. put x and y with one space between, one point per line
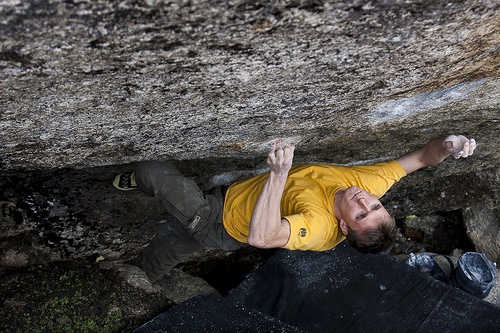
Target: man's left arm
436 151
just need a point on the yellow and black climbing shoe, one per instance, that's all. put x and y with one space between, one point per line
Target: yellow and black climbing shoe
125 182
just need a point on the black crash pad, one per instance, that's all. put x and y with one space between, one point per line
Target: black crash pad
208 313
334 291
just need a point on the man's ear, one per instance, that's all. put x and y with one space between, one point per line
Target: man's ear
343 227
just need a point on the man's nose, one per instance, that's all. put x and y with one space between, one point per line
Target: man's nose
363 202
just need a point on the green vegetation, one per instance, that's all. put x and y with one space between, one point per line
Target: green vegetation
72 297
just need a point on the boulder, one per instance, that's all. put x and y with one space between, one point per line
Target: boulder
483 228
96 83
90 86
439 233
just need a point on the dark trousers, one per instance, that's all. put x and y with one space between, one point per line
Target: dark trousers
197 223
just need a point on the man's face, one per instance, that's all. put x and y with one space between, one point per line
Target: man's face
359 210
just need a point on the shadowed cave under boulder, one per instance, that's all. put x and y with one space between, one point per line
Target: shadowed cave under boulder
90 86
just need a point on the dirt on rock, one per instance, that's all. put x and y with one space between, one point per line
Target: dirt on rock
75 296
90 296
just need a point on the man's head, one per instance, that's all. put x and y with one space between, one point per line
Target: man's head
364 221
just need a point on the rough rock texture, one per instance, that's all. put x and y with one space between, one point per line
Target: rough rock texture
494 295
436 233
88 86
92 83
186 286
483 228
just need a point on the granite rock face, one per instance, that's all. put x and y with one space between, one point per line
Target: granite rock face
89 86
92 83
483 228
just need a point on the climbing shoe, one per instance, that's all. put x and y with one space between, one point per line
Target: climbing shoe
125 182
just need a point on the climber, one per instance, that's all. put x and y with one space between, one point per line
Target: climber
300 207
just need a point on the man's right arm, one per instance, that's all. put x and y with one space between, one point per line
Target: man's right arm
267 228
436 151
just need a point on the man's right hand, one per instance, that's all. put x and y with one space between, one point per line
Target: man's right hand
267 228
280 157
